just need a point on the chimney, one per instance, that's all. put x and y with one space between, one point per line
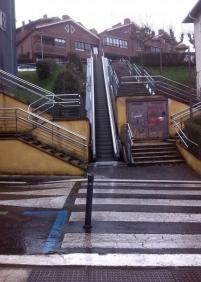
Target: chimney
29 21
127 21
65 17
160 31
23 23
45 16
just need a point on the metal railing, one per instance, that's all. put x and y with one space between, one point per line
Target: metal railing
21 122
90 103
114 81
163 85
129 143
28 93
39 99
59 101
178 119
115 138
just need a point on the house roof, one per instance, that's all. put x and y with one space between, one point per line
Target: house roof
66 21
193 13
120 26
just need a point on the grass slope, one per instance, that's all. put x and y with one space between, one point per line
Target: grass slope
180 74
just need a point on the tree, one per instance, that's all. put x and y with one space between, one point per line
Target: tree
191 38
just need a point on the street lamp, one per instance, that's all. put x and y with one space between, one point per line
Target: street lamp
41 45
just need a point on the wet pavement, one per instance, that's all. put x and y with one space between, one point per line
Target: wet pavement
32 217
134 223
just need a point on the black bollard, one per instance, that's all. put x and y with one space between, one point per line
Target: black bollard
87 226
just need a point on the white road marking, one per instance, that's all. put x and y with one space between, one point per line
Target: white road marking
137 217
46 192
141 260
140 191
147 184
42 186
131 241
146 202
50 202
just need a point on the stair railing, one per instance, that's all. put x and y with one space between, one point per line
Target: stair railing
43 105
35 92
39 99
163 85
129 143
177 120
19 122
115 138
90 103
114 81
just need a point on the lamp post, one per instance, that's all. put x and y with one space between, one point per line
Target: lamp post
189 79
41 45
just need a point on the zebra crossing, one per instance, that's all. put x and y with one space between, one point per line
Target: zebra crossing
143 218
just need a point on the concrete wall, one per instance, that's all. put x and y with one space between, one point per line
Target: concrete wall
7 36
197 30
19 158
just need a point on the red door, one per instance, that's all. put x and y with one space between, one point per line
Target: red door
157 119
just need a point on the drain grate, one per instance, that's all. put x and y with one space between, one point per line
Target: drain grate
100 274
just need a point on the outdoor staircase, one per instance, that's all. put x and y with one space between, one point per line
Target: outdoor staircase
104 145
53 151
129 86
155 152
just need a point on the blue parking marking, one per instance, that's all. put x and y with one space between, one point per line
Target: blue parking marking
56 230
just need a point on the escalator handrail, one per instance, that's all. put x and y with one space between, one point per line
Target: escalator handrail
110 109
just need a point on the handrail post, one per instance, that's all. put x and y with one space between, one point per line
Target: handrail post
88 212
16 120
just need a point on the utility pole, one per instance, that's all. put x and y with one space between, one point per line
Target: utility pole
41 45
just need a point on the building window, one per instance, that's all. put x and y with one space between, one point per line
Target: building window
58 42
81 46
155 50
120 43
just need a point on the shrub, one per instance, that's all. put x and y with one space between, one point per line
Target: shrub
44 68
74 63
67 82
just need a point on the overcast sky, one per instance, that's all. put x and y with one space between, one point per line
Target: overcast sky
102 14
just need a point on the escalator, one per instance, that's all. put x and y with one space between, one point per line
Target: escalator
104 143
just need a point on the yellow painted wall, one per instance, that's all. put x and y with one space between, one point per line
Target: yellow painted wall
191 160
173 107
11 102
19 158
79 126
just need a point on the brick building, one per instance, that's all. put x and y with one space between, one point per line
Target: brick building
7 36
54 38
128 39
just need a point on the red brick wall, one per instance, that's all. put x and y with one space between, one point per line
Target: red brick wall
58 31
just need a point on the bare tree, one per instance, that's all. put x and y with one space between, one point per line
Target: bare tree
191 38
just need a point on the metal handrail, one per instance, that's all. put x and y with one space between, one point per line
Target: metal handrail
40 94
44 120
130 133
114 81
110 109
90 102
186 113
16 121
20 82
183 137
